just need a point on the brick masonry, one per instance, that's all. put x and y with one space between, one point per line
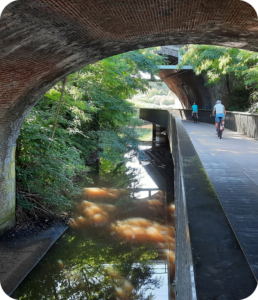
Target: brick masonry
42 41
188 87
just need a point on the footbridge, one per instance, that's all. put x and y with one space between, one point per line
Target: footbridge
216 189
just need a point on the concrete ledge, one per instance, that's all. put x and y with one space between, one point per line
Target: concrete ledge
20 255
156 116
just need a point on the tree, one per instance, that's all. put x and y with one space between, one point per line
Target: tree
238 68
95 121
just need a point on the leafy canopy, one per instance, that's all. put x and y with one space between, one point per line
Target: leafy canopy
95 121
239 68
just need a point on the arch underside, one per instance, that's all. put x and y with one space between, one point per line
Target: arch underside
42 41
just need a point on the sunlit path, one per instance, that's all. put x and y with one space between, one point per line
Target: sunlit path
232 166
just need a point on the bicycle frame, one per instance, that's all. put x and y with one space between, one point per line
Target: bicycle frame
195 117
220 128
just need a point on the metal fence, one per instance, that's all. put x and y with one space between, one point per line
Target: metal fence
244 123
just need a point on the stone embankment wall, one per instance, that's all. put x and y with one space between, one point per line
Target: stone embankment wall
191 88
188 87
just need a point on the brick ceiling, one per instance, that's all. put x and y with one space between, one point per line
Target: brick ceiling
123 19
41 41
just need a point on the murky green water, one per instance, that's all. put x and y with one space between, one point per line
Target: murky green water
117 247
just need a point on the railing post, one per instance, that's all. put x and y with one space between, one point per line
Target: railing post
154 130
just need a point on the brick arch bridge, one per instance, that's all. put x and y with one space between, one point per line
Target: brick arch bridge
41 41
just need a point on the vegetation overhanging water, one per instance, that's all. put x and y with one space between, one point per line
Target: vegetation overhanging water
117 243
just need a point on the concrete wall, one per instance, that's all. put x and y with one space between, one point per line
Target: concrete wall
155 116
8 193
184 280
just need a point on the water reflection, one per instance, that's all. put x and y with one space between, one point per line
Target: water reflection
109 252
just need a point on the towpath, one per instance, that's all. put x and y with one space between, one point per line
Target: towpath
232 166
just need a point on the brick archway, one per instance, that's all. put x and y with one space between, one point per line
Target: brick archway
42 41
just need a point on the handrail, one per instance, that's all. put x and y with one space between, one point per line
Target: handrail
228 112
242 122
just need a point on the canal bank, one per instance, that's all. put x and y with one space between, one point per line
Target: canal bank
23 247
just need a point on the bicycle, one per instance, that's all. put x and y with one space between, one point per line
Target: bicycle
194 117
220 128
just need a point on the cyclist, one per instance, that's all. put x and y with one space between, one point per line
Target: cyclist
220 112
195 110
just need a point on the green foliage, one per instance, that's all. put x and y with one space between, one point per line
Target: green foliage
24 203
145 134
95 122
47 167
239 100
238 68
157 95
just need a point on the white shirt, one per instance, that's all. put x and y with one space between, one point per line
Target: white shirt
219 109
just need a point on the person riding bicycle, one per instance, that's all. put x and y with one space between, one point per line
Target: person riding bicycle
220 112
194 110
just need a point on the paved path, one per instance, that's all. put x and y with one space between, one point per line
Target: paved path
232 166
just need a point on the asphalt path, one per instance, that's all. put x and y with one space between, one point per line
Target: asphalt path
232 166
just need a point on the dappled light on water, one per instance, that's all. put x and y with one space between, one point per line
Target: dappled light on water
92 212
116 240
99 193
144 230
147 221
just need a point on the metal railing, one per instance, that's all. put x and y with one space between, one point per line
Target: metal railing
244 123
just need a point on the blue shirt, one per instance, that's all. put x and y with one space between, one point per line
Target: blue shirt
195 108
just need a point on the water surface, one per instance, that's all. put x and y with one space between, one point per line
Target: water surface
120 244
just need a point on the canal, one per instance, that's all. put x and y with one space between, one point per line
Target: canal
121 238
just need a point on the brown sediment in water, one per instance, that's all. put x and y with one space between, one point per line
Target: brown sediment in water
148 220
100 193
